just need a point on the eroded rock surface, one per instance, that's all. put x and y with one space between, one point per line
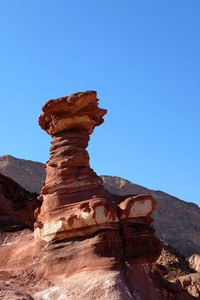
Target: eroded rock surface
88 228
176 221
89 244
75 202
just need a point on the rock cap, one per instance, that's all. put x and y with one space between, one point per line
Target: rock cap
77 111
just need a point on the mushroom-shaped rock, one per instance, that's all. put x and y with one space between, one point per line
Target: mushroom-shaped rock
75 203
86 237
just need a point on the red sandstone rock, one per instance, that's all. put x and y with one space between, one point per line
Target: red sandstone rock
75 202
69 178
90 244
95 230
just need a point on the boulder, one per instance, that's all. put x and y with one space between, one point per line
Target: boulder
194 262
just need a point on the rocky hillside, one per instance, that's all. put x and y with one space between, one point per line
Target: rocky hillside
178 269
176 221
29 174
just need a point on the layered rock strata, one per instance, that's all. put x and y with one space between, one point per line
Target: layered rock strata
75 202
85 234
73 269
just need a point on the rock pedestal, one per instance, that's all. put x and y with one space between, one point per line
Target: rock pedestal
90 244
73 195
75 202
88 233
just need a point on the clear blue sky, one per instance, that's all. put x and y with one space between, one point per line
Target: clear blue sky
142 58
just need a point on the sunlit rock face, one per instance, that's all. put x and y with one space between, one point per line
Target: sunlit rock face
194 261
82 230
75 202
73 195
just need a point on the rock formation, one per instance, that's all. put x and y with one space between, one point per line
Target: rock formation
75 202
107 237
24 269
90 244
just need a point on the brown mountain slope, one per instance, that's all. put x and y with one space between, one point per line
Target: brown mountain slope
179 270
29 174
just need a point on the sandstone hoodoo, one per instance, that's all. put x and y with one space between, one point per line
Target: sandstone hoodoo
70 180
89 244
75 202
92 239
